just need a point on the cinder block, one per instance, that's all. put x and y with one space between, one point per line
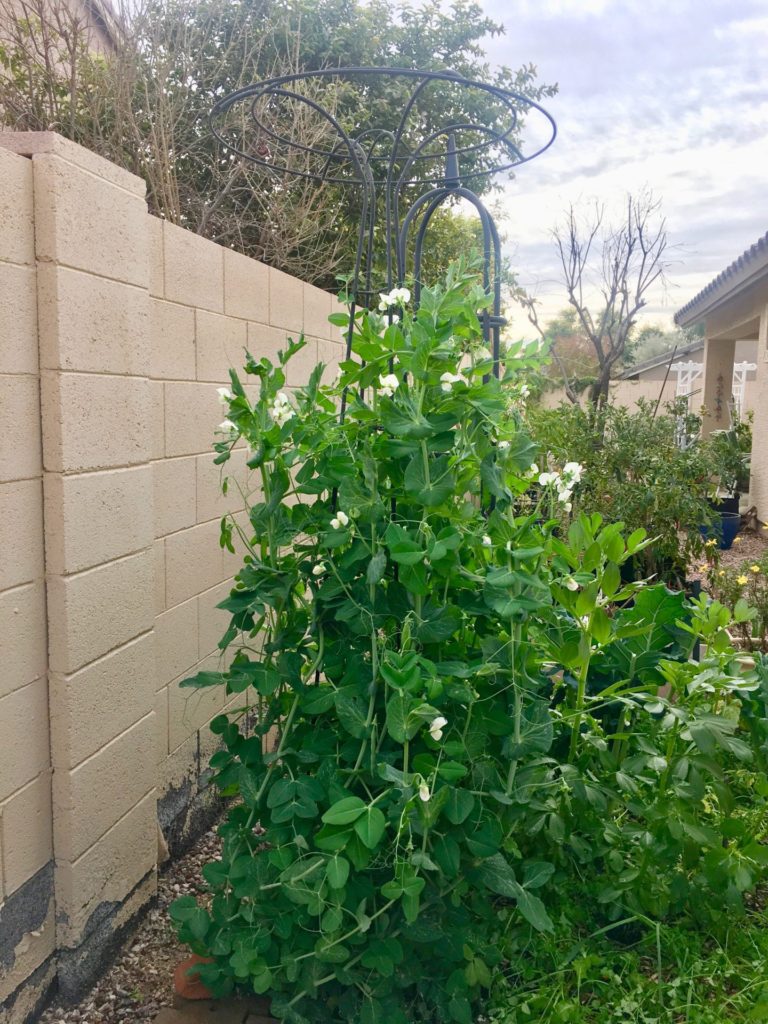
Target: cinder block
286 301
266 341
158 557
246 287
108 870
221 343
20 451
89 223
92 324
212 621
331 353
317 309
24 747
17 221
90 799
193 562
95 422
18 318
299 368
35 144
174 494
156 259
176 642
27 832
212 503
194 269
32 949
95 611
21 532
157 400
161 727
23 647
192 413
102 700
173 341
96 517
190 710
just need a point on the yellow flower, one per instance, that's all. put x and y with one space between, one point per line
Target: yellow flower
710 543
721 573
704 566
737 540
742 580
755 568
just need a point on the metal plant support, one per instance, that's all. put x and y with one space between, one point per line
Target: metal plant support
400 180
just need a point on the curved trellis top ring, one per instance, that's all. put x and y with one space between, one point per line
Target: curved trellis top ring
325 126
259 123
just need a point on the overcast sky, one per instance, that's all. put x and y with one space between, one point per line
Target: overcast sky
672 94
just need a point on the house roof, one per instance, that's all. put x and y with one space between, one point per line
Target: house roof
662 358
737 275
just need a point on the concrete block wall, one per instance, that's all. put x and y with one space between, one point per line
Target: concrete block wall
27 926
117 332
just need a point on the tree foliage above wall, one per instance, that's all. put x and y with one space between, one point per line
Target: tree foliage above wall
144 103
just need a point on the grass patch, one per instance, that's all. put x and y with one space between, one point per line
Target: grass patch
636 974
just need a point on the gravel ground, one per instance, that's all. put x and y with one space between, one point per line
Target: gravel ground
140 981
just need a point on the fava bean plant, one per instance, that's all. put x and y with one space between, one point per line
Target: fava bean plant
467 697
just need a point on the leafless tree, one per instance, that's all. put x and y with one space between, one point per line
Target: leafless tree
622 262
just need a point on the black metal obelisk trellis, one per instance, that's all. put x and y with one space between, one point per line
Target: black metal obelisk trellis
402 172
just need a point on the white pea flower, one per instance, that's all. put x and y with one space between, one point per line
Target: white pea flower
525 391
564 496
281 410
397 297
395 318
570 583
388 384
567 505
226 427
225 395
533 469
436 727
487 542
319 569
424 793
548 478
572 472
503 446
339 520
447 380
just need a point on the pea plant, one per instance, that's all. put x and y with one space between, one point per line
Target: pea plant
465 692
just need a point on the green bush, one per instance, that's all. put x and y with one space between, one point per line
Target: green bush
467 696
636 473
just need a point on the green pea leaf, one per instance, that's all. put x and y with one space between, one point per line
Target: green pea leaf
337 872
370 827
345 811
459 806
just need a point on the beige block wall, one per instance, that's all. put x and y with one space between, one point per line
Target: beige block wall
27 932
126 326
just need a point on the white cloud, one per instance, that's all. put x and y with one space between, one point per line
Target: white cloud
669 96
